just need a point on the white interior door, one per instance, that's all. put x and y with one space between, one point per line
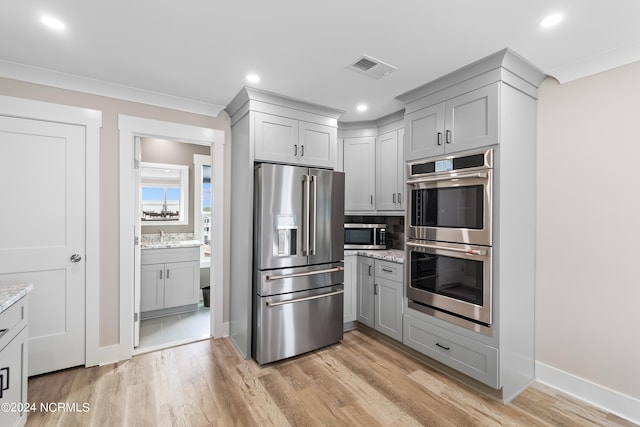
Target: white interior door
42 229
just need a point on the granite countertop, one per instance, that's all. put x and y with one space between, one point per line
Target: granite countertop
393 255
170 244
12 293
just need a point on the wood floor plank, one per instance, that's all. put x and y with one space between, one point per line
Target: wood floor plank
363 381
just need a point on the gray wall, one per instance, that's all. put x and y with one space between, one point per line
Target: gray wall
588 209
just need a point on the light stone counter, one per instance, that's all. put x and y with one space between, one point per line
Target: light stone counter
12 293
393 255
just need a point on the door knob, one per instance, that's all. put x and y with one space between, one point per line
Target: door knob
76 258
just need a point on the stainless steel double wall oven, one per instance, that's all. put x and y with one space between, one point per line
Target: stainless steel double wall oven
449 238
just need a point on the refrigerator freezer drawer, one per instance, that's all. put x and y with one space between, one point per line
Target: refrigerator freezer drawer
295 323
287 280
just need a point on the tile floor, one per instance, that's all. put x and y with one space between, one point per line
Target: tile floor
168 331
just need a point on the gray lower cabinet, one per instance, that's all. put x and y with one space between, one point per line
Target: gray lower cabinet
169 278
13 364
350 287
380 296
475 359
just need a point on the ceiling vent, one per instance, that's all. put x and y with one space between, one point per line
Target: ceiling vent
372 67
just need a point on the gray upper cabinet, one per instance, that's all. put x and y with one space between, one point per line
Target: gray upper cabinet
390 171
464 122
285 140
276 138
359 173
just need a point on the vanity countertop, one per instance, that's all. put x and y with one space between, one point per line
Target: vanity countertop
393 255
170 244
12 293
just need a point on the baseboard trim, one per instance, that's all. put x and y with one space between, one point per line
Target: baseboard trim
604 398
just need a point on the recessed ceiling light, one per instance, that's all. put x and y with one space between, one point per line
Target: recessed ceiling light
362 107
53 23
253 78
551 20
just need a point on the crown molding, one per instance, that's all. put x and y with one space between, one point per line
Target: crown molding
60 80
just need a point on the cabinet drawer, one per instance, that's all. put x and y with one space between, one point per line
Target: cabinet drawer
470 357
160 256
12 320
389 270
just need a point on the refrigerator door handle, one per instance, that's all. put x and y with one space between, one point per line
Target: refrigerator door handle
305 215
292 301
306 273
313 220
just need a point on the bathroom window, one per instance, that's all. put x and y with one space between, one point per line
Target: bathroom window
164 194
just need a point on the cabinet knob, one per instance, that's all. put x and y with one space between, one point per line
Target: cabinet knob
75 258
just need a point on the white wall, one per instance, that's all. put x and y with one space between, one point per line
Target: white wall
588 229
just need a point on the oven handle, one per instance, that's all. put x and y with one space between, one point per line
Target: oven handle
306 273
479 252
447 177
291 301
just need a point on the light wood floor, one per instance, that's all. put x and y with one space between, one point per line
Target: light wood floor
363 381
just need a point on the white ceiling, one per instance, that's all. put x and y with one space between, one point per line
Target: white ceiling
199 51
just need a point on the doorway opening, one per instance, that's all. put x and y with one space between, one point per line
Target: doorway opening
174 206
132 233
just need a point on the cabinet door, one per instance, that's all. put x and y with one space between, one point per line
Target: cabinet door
424 133
359 170
181 283
151 287
471 120
318 145
13 373
365 305
276 138
388 307
350 288
401 171
387 169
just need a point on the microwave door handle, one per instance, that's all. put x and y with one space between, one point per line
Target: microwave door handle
478 252
447 177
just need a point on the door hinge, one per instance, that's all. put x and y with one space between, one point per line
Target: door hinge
136 240
135 317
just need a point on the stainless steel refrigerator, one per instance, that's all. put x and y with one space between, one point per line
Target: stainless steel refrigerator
298 249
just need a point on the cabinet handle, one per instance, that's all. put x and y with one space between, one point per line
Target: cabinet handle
371 198
4 384
394 198
295 150
439 138
448 137
444 347
167 273
302 151
386 270
369 270
161 274
375 289
399 198
3 331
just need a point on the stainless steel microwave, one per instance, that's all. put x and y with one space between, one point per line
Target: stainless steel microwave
365 236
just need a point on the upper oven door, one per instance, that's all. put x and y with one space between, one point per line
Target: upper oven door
451 207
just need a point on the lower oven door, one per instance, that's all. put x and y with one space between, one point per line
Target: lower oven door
454 278
297 322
